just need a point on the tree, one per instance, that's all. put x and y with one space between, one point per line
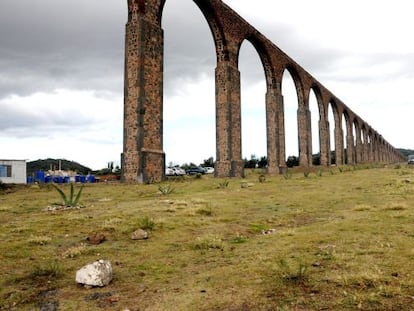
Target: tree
252 163
208 162
262 163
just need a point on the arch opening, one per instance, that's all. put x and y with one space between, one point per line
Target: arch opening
189 86
315 120
253 106
290 100
332 125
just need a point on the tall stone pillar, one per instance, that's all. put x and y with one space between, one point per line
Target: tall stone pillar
358 147
272 132
339 145
324 143
275 132
303 130
281 129
228 121
143 159
365 154
350 144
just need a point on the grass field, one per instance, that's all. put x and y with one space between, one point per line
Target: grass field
343 239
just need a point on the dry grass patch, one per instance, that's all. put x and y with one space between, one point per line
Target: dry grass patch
341 241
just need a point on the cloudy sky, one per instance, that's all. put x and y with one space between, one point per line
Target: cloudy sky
61 73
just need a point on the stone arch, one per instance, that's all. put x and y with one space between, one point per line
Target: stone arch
217 31
143 159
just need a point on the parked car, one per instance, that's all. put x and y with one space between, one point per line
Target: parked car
169 171
209 170
178 171
195 170
411 159
174 171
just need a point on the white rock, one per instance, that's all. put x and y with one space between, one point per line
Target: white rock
98 273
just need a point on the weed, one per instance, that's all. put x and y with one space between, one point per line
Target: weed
206 211
327 252
74 251
198 176
71 200
166 189
293 274
287 175
39 240
224 184
49 270
306 173
238 239
262 178
257 227
146 223
207 243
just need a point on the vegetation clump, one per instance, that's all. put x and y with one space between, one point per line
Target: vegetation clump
70 200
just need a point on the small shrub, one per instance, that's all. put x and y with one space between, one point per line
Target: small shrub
206 211
287 175
71 200
224 184
293 274
39 240
257 227
319 173
198 176
208 243
238 239
74 251
262 178
49 270
166 189
146 223
306 173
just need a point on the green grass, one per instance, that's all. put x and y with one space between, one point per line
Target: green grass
343 240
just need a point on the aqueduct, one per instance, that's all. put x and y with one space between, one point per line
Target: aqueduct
143 158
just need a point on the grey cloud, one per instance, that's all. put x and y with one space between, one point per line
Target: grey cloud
50 44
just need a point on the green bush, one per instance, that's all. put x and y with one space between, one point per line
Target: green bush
71 200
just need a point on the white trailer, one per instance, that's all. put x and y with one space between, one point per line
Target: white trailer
13 171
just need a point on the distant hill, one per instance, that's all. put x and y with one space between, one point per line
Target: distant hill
53 164
405 152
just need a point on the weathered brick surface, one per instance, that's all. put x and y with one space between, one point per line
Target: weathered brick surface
143 159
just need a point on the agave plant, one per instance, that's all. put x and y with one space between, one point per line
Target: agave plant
71 200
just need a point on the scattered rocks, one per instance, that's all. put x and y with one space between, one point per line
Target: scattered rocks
139 235
246 184
98 273
54 208
268 231
49 306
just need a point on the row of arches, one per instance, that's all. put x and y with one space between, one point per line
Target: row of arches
339 128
